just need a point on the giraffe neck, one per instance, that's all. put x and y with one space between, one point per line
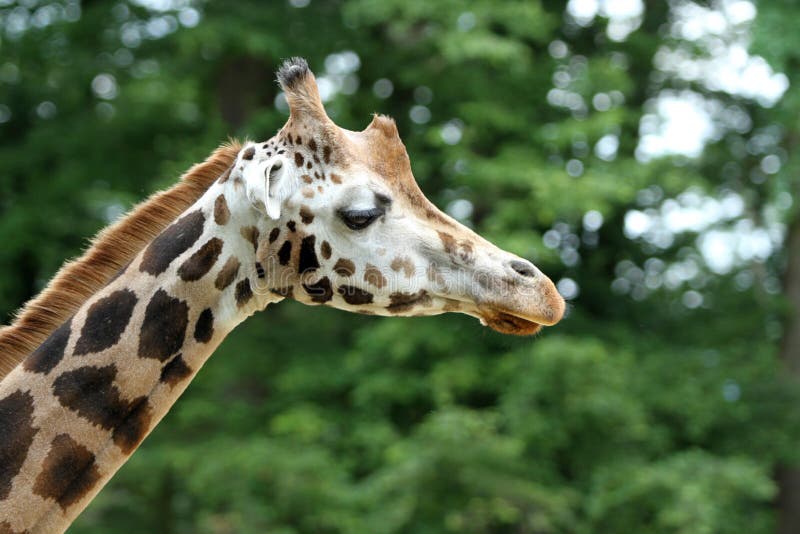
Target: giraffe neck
78 406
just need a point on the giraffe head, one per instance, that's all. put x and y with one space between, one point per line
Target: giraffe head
350 228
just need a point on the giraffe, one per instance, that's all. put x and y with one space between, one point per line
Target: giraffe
317 213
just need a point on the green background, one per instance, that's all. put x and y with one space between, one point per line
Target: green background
658 405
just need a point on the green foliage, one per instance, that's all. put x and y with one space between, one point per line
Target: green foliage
636 414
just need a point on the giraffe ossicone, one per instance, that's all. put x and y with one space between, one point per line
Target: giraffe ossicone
317 213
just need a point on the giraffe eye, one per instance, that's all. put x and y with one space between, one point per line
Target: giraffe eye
360 219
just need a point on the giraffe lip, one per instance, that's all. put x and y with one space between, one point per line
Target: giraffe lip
506 323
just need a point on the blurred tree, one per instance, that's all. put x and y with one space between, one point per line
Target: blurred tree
658 406
781 49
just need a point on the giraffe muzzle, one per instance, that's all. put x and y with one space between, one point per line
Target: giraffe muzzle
521 303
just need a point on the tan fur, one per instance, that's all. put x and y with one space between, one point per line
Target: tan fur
109 251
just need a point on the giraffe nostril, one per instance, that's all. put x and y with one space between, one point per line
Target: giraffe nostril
524 268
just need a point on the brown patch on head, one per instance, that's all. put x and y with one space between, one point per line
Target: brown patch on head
457 249
251 234
164 326
405 264
312 145
175 371
326 154
68 472
448 242
335 178
374 276
355 295
292 226
221 211
274 233
344 267
325 250
16 436
307 179
285 253
466 252
403 302
306 215
321 291
298 159
243 292
105 322
435 276
308 257
249 153
199 263
227 274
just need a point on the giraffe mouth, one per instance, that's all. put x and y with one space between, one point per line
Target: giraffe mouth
506 323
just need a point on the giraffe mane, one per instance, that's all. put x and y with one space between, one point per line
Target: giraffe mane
110 250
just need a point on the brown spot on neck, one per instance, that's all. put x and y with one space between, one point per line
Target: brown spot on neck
164 326
251 233
243 292
16 436
175 371
227 274
105 322
172 242
221 211
49 353
199 263
68 472
204 327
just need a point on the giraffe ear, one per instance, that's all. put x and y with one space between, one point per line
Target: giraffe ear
267 185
